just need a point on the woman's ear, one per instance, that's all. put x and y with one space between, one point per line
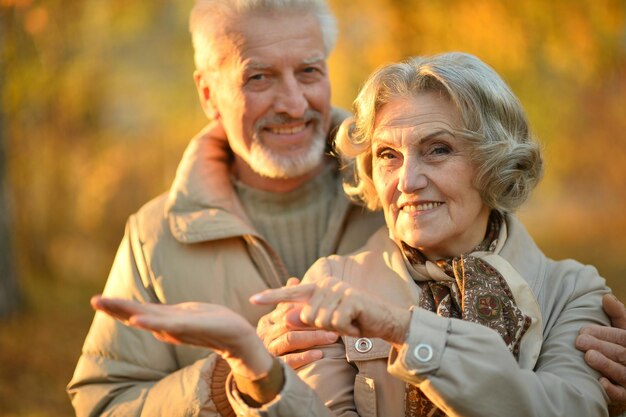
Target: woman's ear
204 94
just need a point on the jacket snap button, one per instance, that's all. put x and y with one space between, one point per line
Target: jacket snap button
363 345
423 352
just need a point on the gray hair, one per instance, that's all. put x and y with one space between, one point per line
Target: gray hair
208 19
506 155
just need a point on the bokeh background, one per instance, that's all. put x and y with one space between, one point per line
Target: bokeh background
97 104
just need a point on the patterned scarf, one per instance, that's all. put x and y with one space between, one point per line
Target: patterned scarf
466 288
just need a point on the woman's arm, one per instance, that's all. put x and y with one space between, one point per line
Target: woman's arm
465 368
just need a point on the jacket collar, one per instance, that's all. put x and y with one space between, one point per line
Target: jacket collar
202 204
522 253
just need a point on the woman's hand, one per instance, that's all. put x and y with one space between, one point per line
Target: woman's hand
283 338
331 304
207 325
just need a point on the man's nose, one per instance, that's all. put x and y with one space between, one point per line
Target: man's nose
290 98
411 176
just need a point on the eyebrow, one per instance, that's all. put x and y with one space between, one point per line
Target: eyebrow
313 60
429 137
251 66
256 66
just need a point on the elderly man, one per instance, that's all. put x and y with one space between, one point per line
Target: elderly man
234 223
241 216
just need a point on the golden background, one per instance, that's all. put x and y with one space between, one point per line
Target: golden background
98 103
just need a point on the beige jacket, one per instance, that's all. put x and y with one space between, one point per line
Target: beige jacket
471 371
194 244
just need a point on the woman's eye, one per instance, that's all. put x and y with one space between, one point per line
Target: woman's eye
440 150
385 154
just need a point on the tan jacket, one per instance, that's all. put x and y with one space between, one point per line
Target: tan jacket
195 244
471 371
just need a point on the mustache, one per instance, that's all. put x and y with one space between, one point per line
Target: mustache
279 119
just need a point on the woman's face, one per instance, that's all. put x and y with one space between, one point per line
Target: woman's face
423 177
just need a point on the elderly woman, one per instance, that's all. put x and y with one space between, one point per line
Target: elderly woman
450 310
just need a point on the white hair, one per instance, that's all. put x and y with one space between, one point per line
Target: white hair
506 153
209 19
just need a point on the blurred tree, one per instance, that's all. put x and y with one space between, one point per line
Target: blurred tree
9 290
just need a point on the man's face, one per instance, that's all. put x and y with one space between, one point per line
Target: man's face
272 94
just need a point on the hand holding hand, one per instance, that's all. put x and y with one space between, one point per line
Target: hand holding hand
283 334
331 304
605 351
207 325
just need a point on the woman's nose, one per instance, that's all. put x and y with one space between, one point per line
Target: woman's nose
411 177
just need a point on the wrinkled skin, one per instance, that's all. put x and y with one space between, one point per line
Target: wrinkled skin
334 305
605 351
283 334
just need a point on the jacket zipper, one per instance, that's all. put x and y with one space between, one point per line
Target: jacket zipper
271 267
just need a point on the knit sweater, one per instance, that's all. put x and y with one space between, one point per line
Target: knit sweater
293 223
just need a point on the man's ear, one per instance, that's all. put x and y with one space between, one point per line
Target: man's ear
204 94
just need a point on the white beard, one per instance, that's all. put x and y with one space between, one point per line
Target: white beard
271 164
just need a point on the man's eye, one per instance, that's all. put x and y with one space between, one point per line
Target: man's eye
256 77
310 70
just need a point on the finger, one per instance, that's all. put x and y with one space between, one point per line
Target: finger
292 282
319 308
615 310
614 371
281 308
268 332
279 295
279 313
115 307
343 320
147 322
292 318
280 321
166 337
299 340
612 351
170 329
616 393
605 333
298 360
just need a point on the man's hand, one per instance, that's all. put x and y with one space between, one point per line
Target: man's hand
201 324
605 351
284 334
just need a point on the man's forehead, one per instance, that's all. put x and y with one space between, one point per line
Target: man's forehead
259 40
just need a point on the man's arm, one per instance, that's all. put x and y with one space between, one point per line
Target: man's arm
127 371
605 351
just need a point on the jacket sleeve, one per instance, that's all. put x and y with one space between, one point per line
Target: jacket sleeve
467 370
126 371
322 388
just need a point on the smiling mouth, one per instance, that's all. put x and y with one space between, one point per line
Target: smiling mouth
289 130
413 208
